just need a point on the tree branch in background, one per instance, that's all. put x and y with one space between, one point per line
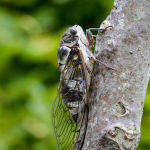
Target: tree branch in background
117 105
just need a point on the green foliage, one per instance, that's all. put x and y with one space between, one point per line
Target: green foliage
145 125
30 34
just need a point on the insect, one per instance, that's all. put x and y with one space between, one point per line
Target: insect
71 106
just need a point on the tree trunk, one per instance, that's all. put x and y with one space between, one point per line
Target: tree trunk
117 104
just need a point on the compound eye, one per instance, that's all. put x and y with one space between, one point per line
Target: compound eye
73 31
63 53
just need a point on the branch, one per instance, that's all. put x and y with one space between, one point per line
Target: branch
117 104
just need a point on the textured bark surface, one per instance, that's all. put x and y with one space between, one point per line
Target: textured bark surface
117 104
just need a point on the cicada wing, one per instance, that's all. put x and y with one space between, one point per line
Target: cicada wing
70 108
64 126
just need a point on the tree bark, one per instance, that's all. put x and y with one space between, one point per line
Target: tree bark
117 104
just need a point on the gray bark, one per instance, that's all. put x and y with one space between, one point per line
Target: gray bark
117 105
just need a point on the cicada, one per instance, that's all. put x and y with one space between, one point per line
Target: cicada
71 106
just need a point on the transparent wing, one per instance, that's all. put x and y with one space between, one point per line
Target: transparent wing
70 107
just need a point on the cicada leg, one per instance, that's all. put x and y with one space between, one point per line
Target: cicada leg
104 64
96 60
68 44
90 36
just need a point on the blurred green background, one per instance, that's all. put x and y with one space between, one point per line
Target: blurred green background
30 31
